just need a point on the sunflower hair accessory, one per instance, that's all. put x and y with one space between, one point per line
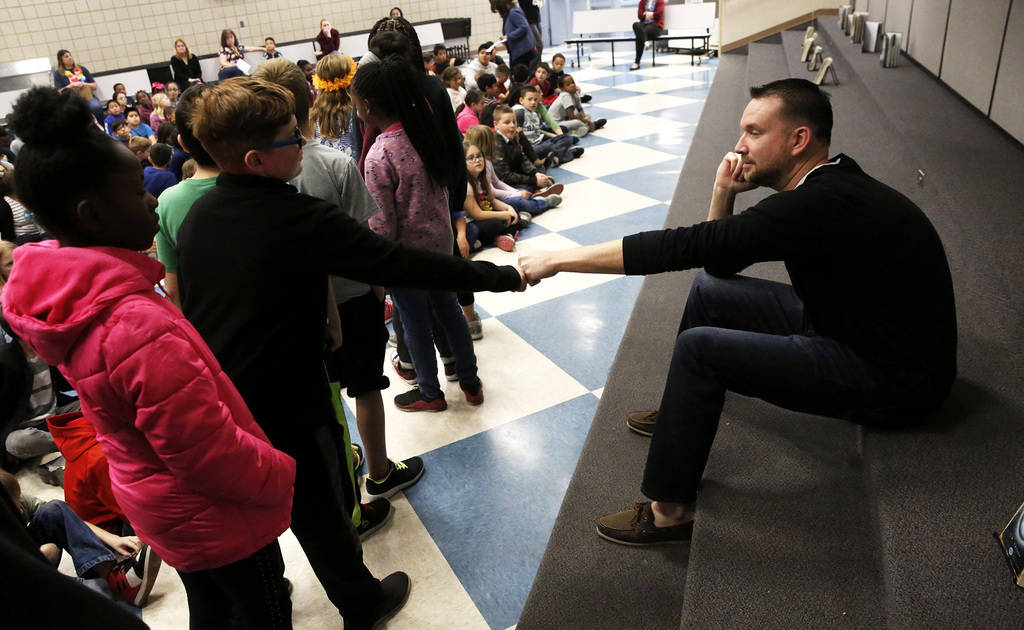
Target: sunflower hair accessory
339 83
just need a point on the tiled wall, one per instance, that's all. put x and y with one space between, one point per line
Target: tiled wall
111 34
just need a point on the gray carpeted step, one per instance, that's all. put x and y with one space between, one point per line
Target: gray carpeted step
584 582
940 490
784 536
765 63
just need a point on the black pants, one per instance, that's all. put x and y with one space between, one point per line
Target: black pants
529 59
643 33
322 517
249 594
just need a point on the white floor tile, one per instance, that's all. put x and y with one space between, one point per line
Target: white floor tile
647 103
589 74
651 86
589 88
598 393
634 126
605 159
518 380
670 70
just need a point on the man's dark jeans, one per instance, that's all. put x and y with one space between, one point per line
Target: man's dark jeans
747 336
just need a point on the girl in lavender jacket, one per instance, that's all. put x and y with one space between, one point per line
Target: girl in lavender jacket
408 178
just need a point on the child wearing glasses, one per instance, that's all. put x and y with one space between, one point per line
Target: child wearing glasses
254 256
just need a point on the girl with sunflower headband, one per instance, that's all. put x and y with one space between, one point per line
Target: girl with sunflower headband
333 112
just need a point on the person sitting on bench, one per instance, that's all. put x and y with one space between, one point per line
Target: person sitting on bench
651 23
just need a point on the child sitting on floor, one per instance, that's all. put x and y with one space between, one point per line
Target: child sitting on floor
544 142
516 163
527 204
453 80
568 110
540 79
468 116
488 220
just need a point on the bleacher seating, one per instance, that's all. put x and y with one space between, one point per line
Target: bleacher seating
810 522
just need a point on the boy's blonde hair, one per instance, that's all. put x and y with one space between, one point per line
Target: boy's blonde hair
332 110
139 144
288 75
188 168
238 114
483 137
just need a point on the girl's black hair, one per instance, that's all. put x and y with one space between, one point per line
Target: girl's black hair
61 142
393 88
167 133
404 27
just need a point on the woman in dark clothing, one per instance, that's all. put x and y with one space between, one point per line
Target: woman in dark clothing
517 36
327 41
651 23
185 66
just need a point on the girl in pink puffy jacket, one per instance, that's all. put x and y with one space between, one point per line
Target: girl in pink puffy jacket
196 476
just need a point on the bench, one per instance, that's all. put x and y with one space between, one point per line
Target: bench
690 22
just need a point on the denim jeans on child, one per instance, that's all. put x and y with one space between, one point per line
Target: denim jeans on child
415 307
533 206
55 522
561 146
748 336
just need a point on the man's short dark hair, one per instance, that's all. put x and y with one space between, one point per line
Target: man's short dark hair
269 39
802 101
129 110
160 154
520 73
557 56
117 124
440 48
484 46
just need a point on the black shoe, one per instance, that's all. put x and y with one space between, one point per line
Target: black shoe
576 152
394 592
600 122
400 476
375 514
586 98
642 422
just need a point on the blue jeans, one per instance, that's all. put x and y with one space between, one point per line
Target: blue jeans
561 146
751 337
229 73
55 522
415 307
533 206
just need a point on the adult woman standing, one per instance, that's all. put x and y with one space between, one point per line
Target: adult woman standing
651 23
71 76
517 36
327 41
231 52
185 66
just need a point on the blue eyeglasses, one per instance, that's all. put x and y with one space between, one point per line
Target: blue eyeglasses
296 139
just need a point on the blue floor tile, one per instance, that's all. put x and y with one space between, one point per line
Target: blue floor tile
595 111
565 177
658 180
490 501
683 113
610 94
675 141
652 218
580 331
590 140
618 80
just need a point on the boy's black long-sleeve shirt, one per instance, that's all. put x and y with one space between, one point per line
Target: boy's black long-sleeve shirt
254 256
865 260
512 165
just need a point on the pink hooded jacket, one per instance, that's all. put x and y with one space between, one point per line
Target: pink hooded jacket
194 473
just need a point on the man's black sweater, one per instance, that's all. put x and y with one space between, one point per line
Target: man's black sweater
254 256
865 260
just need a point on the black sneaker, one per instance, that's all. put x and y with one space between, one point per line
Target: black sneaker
636 528
400 476
415 400
586 98
576 152
394 592
375 514
600 122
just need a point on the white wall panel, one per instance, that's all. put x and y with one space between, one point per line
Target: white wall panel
1008 103
973 39
927 32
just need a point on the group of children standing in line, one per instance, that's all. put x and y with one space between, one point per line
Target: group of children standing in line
207 459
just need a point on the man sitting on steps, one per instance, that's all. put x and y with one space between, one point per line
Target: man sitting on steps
867 331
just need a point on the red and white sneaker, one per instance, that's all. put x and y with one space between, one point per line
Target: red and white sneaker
389 310
132 579
407 375
504 242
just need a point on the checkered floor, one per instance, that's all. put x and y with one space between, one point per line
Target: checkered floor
471 534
